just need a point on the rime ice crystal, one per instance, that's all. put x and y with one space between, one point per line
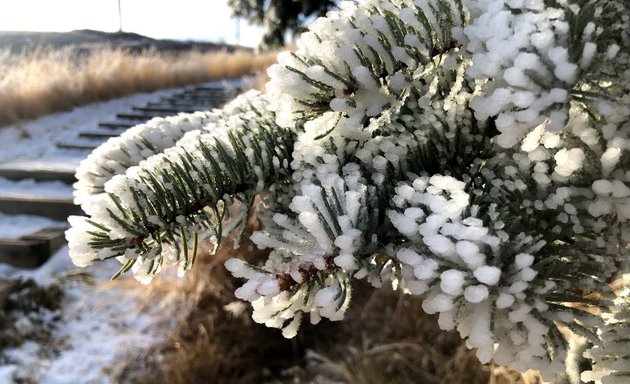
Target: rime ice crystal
472 152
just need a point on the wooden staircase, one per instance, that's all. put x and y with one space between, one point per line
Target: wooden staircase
32 250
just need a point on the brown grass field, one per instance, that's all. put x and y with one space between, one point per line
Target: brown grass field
46 80
385 338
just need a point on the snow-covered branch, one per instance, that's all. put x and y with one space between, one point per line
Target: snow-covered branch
473 152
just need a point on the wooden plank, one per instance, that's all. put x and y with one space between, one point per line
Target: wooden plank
117 124
101 134
188 108
190 104
38 174
206 88
200 97
160 106
24 253
171 111
137 118
54 236
78 146
54 208
33 250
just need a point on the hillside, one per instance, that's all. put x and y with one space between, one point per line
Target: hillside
46 72
89 40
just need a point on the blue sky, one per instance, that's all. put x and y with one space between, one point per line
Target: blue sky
207 20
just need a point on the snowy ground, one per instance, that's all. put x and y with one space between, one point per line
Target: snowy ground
99 323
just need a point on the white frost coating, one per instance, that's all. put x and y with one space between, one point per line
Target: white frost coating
590 49
476 293
122 186
81 253
438 303
312 224
612 51
439 244
408 257
476 285
504 300
568 161
523 260
487 274
315 243
139 143
464 158
452 281
504 45
469 252
564 70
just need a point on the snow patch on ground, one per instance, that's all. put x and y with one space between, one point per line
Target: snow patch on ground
67 164
36 138
101 323
51 189
16 226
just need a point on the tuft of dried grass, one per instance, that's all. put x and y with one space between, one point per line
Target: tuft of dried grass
385 338
216 341
48 80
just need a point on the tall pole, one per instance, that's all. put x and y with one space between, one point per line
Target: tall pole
119 17
238 30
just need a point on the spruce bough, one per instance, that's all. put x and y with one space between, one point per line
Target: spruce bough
471 152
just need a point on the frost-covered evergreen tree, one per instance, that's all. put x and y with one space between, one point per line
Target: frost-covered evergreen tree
279 16
474 152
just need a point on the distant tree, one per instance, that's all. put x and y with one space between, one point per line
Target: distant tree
279 16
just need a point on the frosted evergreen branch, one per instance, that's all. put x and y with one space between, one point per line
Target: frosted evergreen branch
185 191
330 236
474 153
362 60
466 265
138 143
532 61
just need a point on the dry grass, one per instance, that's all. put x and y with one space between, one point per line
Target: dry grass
47 80
386 338
213 344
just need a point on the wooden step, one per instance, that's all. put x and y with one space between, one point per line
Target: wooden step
217 96
102 134
117 124
170 111
196 104
51 207
78 146
33 250
188 108
190 104
183 106
137 118
206 88
203 94
65 176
